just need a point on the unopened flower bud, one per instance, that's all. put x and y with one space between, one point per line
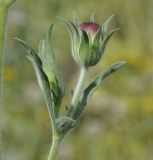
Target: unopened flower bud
90 27
89 40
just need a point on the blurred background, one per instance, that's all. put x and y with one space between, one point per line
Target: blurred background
118 122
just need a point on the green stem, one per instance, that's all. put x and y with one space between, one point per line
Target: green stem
3 18
56 137
79 87
4 7
54 148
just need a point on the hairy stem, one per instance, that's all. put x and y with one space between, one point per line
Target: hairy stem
54 148
79 88
4 7
56 138
3 18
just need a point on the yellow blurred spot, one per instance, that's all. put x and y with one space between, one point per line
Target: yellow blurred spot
10 74
147 102
143 103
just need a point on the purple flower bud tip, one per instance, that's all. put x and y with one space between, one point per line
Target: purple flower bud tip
90 27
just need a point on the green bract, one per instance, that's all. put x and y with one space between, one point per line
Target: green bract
88 40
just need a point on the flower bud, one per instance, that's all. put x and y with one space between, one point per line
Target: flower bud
89 40
90 27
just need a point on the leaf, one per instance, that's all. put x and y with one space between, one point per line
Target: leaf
36 57
52 70
89 90
42 78
50 65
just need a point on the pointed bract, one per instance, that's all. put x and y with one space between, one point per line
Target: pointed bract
92 18
106 23
76 20
106 39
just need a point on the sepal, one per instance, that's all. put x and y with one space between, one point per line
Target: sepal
92 18
106 23
106 40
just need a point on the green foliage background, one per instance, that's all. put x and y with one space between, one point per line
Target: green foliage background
118 122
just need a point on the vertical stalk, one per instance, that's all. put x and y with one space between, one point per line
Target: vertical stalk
78 91
4 7
80 86
56 137
54 148
3 18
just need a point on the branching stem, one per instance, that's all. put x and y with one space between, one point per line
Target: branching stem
57 138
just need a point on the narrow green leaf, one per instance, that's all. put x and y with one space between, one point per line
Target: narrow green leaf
52 64
43 79
52 70
89 90
28 47
100 77
32 52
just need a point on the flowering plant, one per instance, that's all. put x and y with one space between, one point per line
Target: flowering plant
88 42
